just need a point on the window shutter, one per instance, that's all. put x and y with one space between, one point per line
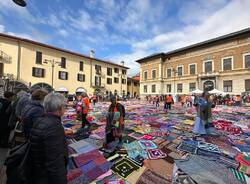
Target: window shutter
59 75
33 71
43 72
66 75
83 78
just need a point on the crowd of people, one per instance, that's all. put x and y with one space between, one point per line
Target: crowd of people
39 114
188 100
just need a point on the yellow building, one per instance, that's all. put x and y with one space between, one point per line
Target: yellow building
29 64
133 86
222 63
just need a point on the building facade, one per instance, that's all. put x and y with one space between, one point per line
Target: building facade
29 64
133 89
222 63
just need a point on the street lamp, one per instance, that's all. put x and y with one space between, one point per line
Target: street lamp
53 63
21 3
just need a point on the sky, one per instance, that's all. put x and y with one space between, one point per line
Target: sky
123 30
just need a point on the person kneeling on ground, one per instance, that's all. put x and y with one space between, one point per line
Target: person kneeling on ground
48 150
115 121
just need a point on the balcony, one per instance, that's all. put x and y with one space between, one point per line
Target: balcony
209 74
5 58
98 85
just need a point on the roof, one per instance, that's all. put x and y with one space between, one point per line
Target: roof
198 45
137 78
153 56
58 49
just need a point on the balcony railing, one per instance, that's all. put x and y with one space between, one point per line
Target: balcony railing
98 85
5 58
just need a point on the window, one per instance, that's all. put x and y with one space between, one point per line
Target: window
247 60
63 75
136 84
145 75
179 71
169 72
129 83
168 88
153 74
38 72
208 66
116 70
145 88
179 88
124 81
39 57
98 69
192 86
109 71
81 66
81 77
227 64
116 80
124 72
153 88
97 81
109 80
63 62
192 69
247 85
228 86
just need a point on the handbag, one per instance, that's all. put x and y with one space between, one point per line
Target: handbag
18 167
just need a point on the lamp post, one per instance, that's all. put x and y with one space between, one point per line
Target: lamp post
53 63
21 3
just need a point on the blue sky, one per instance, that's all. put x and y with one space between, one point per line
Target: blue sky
123 29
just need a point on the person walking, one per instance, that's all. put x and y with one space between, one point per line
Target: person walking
85 109
5 103
33 110
48 151
115 121
94 99
203 120
157 101
169 101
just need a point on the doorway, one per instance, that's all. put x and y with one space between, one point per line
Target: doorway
208 85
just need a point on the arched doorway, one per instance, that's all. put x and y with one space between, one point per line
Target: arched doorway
41 85
17 86
208 85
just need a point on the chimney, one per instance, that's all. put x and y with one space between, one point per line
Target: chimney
91 53
122 62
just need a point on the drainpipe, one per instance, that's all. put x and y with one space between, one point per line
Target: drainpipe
18 60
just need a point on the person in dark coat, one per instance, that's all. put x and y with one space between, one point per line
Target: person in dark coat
48 150
4 118
23 100
33 110
115 121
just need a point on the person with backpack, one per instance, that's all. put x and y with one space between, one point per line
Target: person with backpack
85 109
115 121
33 110
4 118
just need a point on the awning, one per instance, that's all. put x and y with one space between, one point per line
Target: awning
62 89
80 90
216 91
197 91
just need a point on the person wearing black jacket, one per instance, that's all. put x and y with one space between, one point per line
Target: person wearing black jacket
48 144
4 118
115 121
33 110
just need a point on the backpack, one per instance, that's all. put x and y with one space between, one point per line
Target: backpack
18 167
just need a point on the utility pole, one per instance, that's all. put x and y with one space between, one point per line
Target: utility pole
53 63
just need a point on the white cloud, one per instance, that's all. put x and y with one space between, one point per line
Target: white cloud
232 17
2 28
63 32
